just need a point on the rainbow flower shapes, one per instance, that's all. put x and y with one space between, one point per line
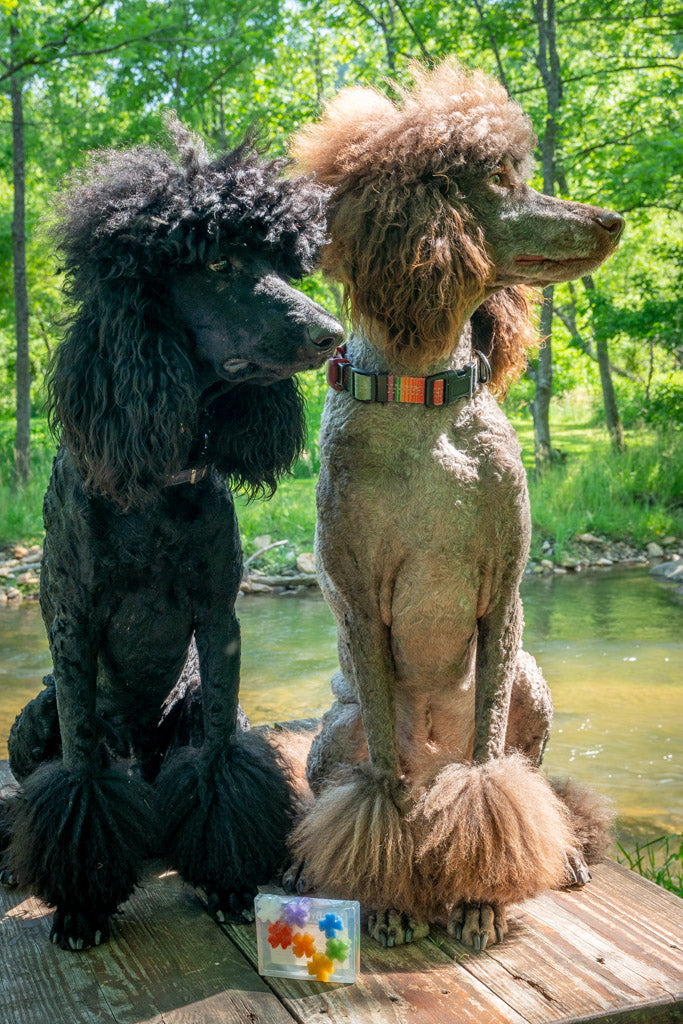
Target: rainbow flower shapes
306 938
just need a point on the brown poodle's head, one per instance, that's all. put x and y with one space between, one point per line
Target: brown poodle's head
430 219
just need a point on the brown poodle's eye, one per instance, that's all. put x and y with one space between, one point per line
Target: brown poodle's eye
496 178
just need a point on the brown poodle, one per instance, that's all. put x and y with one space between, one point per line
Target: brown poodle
430 805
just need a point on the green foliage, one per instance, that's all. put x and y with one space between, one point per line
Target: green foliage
660 860
21 516
635 496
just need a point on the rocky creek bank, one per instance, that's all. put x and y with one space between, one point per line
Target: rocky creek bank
20 566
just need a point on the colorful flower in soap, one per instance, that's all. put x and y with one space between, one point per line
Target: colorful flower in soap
321 966
303 945
279 934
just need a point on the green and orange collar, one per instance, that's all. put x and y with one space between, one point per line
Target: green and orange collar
436 390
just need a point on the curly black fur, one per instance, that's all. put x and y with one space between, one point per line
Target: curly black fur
179 356
65 826
226 817
124 395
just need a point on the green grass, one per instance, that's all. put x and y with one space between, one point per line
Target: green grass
21 509
634 497
660 860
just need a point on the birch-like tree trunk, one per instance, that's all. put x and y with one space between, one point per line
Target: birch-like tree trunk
22 445
548 64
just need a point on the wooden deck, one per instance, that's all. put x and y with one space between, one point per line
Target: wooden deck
611 953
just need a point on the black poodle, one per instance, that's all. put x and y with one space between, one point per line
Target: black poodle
174 377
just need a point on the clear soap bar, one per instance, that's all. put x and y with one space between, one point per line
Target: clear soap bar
307 938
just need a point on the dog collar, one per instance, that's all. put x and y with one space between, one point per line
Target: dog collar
436 390
188 476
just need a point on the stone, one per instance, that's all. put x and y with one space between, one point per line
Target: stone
604 561
567 562
26 578
35 551
4 572
262 542
19 551
653 550
3 596
589 538
537 569
668 542
305 562
546 563
546 545
668 570
559 571
13 594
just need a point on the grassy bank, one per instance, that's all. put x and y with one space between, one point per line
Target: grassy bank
635 497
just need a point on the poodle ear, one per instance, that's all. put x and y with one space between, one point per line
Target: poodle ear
414 285
504 328
256 433
122 398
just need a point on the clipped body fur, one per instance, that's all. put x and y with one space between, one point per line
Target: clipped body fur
429 796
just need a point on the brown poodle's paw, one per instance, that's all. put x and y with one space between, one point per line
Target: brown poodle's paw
294 880
576 870
477 924
393 928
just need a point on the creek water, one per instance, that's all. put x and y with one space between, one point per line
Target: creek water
609 644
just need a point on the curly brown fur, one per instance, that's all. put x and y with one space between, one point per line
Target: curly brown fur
591 815
405 243
489 833
355 841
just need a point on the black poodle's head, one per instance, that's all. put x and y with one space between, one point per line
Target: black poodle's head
186 332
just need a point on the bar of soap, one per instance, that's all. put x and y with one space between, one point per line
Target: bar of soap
307 938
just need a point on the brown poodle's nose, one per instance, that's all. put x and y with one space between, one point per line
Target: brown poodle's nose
612 222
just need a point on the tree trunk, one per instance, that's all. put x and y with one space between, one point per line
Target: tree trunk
548 64
540 407
22 445
612 417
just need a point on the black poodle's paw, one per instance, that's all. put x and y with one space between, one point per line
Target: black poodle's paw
237 908
8 878
77 930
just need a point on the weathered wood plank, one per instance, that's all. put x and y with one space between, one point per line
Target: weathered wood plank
416 983
167 963
568 957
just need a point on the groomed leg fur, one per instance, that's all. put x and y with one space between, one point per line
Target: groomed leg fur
78 841
591 815
226 818
356 842
491 833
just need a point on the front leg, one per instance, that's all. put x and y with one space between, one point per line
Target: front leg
356 841
80 827
492 832
229 805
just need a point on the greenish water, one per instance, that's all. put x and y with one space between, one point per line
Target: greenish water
610 645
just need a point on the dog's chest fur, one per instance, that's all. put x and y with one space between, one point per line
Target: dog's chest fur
437 505
146 576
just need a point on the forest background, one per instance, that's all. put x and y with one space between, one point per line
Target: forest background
599 411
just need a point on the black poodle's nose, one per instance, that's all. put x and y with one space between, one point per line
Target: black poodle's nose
612 222
323 336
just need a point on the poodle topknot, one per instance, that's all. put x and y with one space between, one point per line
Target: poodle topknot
407 240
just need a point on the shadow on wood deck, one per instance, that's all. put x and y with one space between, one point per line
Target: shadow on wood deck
612 952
